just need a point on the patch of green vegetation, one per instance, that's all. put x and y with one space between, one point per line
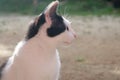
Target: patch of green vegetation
70 7
80 59
88 7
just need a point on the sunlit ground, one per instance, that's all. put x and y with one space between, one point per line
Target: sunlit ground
94 55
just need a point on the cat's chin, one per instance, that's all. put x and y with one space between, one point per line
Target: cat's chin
67 44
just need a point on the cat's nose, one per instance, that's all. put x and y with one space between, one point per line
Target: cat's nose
75 35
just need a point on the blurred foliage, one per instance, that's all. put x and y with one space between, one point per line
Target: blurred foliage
79 7
22 6
92 7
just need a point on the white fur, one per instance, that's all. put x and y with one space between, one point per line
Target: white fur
41 67
11 59
38 58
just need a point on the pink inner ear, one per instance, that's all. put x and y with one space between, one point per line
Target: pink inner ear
48 19
52 7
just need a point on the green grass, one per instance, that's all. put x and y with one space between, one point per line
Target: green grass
70 7
80 59
88 8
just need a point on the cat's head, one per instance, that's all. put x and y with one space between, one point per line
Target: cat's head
51 25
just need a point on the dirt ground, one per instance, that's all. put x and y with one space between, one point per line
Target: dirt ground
94 55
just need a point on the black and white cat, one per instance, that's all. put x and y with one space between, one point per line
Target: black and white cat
36 57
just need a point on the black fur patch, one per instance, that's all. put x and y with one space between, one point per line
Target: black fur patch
1 69
34 28
55 29
57 26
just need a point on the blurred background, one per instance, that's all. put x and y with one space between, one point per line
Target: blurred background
94 55
81 7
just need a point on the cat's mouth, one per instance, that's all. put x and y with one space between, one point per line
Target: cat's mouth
68 42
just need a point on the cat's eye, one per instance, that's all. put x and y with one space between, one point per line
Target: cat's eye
67 28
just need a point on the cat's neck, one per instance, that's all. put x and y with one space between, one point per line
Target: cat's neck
41 44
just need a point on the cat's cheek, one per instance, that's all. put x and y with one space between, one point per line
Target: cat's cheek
69 38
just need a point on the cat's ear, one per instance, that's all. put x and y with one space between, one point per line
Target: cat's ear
51 8
47 14
51 11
